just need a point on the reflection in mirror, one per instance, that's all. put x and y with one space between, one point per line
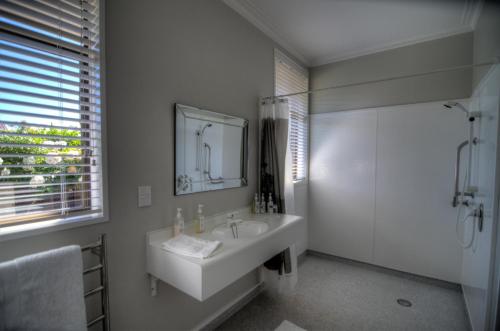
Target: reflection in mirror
211 150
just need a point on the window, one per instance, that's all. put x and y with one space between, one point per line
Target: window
290 77
50 111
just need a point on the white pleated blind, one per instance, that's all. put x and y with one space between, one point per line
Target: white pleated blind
290 77
50 110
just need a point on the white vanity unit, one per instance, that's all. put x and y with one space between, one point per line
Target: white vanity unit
260 237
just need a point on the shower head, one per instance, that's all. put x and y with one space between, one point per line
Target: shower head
454 104
206 126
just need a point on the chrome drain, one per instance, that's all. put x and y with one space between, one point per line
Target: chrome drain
404 302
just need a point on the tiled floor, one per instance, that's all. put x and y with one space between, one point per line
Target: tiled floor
339 295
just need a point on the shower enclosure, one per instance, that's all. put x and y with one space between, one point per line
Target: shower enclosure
398 180
478 274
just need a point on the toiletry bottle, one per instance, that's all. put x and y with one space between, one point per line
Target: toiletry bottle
256 204
199 222
270 204
179 223
262 204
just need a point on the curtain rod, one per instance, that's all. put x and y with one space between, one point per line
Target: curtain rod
497 60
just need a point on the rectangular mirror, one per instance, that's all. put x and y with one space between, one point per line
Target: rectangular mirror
211 150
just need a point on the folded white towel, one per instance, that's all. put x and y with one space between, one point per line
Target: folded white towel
191 246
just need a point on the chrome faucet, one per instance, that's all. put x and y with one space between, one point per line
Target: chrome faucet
230 222
234 230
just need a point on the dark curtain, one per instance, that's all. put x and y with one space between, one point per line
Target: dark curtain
274 139
269 167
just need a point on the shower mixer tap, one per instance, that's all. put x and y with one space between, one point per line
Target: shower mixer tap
470 191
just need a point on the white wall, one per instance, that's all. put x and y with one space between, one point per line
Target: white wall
301 191
426 56
381 187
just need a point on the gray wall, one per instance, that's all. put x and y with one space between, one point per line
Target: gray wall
431 55
486 39
196 52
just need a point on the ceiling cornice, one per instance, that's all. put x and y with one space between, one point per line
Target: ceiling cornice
388 46
470 15
246 9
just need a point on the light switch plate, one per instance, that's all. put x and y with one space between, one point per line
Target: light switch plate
144 196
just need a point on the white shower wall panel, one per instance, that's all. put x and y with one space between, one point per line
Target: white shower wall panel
414 219
381 187
342 183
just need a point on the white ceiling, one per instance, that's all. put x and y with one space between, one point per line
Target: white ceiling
324 31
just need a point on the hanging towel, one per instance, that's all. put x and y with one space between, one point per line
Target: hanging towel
191 246
43 291
280 272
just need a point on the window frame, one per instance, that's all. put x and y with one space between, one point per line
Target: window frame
36 227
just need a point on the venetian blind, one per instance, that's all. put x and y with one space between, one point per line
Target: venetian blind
50 110
290 77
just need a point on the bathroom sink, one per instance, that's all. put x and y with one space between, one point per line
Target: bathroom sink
264 237
244 229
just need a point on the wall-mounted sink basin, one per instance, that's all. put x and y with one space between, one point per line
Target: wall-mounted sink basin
260 238
240 230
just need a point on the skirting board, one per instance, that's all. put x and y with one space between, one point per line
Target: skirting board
403 274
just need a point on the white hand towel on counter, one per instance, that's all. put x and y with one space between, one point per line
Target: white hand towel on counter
43 291
191 246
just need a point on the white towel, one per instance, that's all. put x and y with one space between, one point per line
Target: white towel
191 246
43 291
288 326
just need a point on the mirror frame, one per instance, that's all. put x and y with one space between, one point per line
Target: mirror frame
244 158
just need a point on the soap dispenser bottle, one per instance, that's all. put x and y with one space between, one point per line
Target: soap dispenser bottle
199 222
256 204
270 204
262 204
179 223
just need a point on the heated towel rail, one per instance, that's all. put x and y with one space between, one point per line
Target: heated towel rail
98 248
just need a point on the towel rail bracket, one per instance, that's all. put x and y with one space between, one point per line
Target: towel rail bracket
153 285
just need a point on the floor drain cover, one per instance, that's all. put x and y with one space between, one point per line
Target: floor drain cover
404 302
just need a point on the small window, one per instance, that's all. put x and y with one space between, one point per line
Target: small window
50 111
290 77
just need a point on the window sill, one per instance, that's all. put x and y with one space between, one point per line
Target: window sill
300 182
37 228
